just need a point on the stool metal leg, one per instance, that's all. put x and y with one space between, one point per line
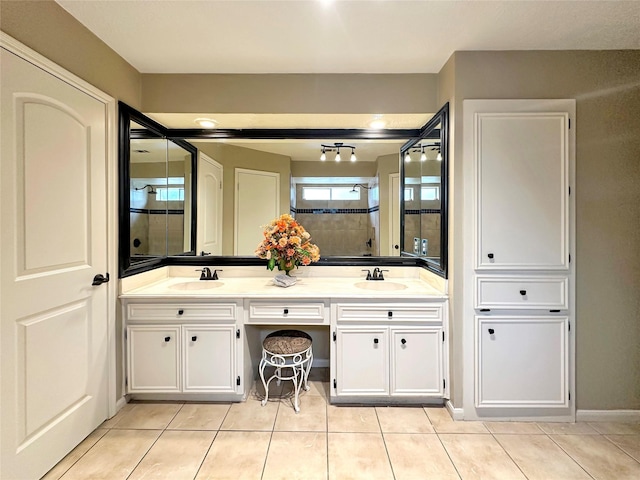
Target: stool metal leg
263 365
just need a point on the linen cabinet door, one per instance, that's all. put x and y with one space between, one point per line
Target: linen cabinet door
416 361
209 358
362 361
522 362
522 203
154 358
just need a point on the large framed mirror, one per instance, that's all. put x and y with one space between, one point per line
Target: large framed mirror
424 168
157 193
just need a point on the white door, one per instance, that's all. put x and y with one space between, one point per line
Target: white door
209 358
416 361
209 230
257 202
394 215
522 361
362 360
53 224
154 358
522 164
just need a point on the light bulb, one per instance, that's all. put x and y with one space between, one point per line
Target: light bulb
338 156
439 157
323 157
206 122
353 156
423 157
407 157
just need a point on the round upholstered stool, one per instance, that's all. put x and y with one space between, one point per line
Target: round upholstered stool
289 351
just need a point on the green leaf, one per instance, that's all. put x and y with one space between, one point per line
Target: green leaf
271 263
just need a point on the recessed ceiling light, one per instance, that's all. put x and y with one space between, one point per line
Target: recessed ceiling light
206 122
377 123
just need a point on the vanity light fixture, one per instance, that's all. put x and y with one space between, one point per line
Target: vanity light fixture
423 156
206 122
407 157
336 148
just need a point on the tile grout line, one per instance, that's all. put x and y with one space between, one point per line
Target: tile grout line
618 446
455 467
211 444
155 441
569 455
384 442
505 450
273 427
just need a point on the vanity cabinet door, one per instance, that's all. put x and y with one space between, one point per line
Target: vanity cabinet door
522 203
209 358
154 358
362 361
522 361
416 361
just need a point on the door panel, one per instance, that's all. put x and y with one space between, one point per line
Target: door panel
252 209
209 206
53 234
209 359
363 361
416 361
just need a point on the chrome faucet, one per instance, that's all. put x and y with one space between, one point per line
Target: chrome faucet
207 275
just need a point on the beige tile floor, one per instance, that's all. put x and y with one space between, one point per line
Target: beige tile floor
247 441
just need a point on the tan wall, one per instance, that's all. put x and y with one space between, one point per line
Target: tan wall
48 29
606 86
333 169
232 157
292 93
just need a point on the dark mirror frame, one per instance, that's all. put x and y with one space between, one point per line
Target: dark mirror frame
126 115
429 131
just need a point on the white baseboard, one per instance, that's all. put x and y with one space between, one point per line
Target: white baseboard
456 413
320 362
608 416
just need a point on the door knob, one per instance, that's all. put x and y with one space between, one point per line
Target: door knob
491 331
490 255
523 292
397 247
167 339
194 338
375 341
99 279
403 341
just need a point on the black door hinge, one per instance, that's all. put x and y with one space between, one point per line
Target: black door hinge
126 381
335 384
569 258
238 333
238 380
569 124
569 326
569 395
443 336
444 383
334 336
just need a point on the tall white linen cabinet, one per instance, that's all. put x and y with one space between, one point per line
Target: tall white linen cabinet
519 306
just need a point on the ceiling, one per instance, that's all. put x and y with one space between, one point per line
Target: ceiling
339 36
345 36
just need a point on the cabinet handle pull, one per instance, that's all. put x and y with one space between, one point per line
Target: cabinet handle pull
194 338
180 312
403 341
166 339
375 341
390 314
523 292
491 331
490 255
286 311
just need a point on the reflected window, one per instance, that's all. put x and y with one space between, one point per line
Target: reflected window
429 193
330 193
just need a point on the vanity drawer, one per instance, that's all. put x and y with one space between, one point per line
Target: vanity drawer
389 312
179 311
522 292
287 312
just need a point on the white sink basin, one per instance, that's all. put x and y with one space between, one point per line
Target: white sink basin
380 286
196 285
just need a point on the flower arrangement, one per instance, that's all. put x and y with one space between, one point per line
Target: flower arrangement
287 245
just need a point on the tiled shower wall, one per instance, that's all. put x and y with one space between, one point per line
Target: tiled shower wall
339 227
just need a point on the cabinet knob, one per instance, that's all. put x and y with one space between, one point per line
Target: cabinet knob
490 255
375 341
491 331
403 341
194 338
180 312
167 339
286 311
523 292
390 314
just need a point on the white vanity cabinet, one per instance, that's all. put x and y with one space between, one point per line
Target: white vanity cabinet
182 348
389 350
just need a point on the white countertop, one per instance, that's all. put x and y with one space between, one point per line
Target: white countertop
325 287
